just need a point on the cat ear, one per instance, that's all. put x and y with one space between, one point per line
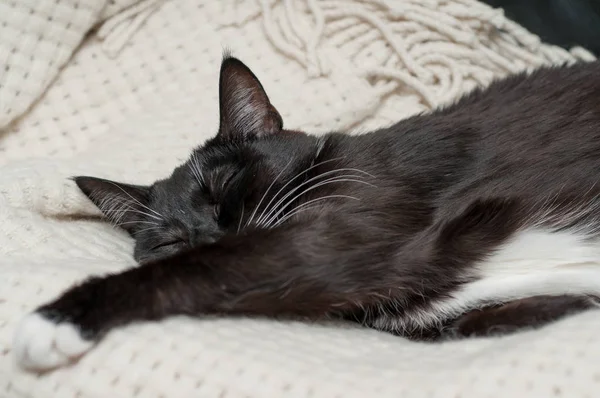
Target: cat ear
120 203
245 109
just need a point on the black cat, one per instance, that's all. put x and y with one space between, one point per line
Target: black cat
476 219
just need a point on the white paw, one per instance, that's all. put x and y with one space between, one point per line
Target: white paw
40 344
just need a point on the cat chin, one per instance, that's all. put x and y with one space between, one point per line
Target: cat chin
42 344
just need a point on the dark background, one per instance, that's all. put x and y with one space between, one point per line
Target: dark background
562 22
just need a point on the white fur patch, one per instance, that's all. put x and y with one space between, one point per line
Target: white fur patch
40 344
532 262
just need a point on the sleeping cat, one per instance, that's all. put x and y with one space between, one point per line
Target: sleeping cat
480 218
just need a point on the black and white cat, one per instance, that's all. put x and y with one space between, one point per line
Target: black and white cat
479 218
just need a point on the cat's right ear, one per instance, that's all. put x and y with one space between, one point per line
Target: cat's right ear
245 109
122 204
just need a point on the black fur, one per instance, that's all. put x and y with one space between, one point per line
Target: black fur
415 206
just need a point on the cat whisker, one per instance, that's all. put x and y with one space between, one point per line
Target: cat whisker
137 201
241 217
291 214
148 229
119 206
121 212
305 206
281 205
288 183
196 170
341 178
263 217
136 222
309 181
266 192
279 209
114 208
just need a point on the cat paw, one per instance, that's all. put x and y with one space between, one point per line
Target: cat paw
41 343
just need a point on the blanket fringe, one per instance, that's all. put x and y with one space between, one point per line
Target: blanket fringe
118 30
431 46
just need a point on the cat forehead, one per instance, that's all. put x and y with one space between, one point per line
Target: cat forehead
176 189
205 167
198 173
217 152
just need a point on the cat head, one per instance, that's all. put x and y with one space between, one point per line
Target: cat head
227 185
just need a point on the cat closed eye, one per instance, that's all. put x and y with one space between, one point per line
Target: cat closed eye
228 180
171 242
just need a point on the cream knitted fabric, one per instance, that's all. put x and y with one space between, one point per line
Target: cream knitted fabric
140 92
38 37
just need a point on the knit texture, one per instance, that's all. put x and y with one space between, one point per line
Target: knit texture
129 99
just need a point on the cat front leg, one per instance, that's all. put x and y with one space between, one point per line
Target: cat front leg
59 332
309 270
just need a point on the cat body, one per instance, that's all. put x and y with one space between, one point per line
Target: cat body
479 217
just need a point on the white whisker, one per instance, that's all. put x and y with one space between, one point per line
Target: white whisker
137 201
305 183
278 209
241 217
113 204
286 184
266 192
276 205
148 229
121 211
196 169
136 222
305 206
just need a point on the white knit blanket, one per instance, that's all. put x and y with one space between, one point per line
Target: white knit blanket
129 100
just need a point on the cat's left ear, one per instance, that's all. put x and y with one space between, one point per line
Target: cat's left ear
123 204
245 109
